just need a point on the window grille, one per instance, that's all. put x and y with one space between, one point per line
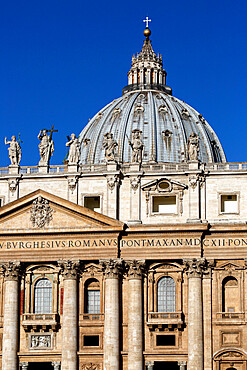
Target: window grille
166 295
43 296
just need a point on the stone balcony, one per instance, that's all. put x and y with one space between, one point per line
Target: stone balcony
91 319
161 320
40 322
230 318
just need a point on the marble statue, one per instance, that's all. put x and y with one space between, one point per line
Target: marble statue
137 146
193 147
109 144
46 147
14 151
74 149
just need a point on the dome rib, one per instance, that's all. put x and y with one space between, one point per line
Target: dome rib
136 108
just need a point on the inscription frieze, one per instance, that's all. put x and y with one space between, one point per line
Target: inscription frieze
81 243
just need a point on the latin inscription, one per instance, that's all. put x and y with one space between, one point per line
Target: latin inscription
124 243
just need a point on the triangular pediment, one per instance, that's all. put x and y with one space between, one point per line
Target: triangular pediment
229 266
164 184
41 211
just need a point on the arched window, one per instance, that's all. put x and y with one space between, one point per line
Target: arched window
43 296
230 295
92 296
166 295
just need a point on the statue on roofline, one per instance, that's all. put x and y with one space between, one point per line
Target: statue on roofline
14 151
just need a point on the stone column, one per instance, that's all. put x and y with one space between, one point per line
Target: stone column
195 319
69 271
112 269
182 365
56 365
135 315
149 365
10 321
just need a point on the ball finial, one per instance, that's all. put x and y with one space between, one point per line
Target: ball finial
147 32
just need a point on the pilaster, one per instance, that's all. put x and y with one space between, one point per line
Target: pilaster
207 314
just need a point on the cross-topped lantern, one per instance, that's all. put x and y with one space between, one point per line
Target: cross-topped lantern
146 21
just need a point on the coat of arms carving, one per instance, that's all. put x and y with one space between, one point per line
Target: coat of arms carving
41 212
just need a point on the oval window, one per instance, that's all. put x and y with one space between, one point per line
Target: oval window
164 185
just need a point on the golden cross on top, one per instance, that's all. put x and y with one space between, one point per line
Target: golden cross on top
146 21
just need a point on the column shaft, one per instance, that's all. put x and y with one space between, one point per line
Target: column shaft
135 315
195 343
111 326
135 325
10 326
69 350
195 319
70 322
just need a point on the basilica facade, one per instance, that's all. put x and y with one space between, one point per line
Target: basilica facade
132 254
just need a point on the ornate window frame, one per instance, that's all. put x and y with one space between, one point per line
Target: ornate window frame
154 188
155 273
222 271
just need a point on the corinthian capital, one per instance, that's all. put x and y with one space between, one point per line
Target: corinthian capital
111 267
135 268
69 268
11 270
194 266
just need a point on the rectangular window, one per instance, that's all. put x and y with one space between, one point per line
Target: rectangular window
92 203
229 203
165 340
93 301
163 204
91 340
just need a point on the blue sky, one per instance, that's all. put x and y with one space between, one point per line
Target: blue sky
62 61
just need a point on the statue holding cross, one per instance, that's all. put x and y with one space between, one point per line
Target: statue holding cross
46 146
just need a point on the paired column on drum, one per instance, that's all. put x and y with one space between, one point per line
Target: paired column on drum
112 269
69 271
195 319
135 314
10 322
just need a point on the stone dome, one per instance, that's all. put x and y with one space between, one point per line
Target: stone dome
165 123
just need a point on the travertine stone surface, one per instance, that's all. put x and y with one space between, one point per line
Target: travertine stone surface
135 315
112 269
195 319
10 322
69 348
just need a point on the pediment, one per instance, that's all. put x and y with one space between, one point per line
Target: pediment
229 266
41 211
164 185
